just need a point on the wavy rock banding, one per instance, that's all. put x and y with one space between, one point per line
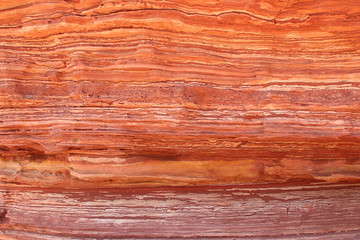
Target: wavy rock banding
117 93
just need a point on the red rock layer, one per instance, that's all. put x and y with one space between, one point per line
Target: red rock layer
315 212
179 92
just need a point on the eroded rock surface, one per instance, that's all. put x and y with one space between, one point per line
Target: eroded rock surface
183 92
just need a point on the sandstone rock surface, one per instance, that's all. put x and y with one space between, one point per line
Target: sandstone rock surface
179 95
179 92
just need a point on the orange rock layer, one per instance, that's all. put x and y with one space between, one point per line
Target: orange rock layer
179 92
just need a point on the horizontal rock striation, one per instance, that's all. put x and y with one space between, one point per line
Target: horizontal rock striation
114 93
315 212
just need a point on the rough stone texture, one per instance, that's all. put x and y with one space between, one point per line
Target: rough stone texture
136 95
179 92
326 212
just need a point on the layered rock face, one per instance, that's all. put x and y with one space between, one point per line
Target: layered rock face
124 93
179 119
254 212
